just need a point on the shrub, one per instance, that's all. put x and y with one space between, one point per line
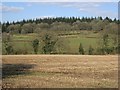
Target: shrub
35 45
8 48
90 52
81 49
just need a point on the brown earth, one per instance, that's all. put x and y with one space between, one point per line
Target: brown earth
60 71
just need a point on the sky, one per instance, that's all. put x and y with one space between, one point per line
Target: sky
16 11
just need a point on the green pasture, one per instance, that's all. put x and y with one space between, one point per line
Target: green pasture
24 42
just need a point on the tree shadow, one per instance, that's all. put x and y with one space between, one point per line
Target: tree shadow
15 69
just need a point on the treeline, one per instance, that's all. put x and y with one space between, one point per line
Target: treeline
58 23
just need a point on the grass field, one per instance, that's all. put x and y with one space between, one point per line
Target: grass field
60 71
87 38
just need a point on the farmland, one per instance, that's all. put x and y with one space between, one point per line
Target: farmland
60 71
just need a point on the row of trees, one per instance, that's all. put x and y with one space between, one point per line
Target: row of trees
58 23
96 25
61 19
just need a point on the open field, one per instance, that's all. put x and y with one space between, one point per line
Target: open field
60 71
87 38
69 42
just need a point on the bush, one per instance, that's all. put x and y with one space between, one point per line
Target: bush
8 48
35 45
90 52
81 49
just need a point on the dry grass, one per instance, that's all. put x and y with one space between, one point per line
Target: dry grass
60 71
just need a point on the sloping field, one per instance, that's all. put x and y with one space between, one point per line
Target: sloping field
60 71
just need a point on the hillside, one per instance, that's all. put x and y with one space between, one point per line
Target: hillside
96 35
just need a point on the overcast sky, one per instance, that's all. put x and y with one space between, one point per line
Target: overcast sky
13 11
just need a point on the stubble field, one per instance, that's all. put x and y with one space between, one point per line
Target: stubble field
60 71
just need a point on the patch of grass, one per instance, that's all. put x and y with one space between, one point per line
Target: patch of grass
24 36
87 38
75 42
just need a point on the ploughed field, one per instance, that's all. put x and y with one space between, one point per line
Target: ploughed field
60 71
